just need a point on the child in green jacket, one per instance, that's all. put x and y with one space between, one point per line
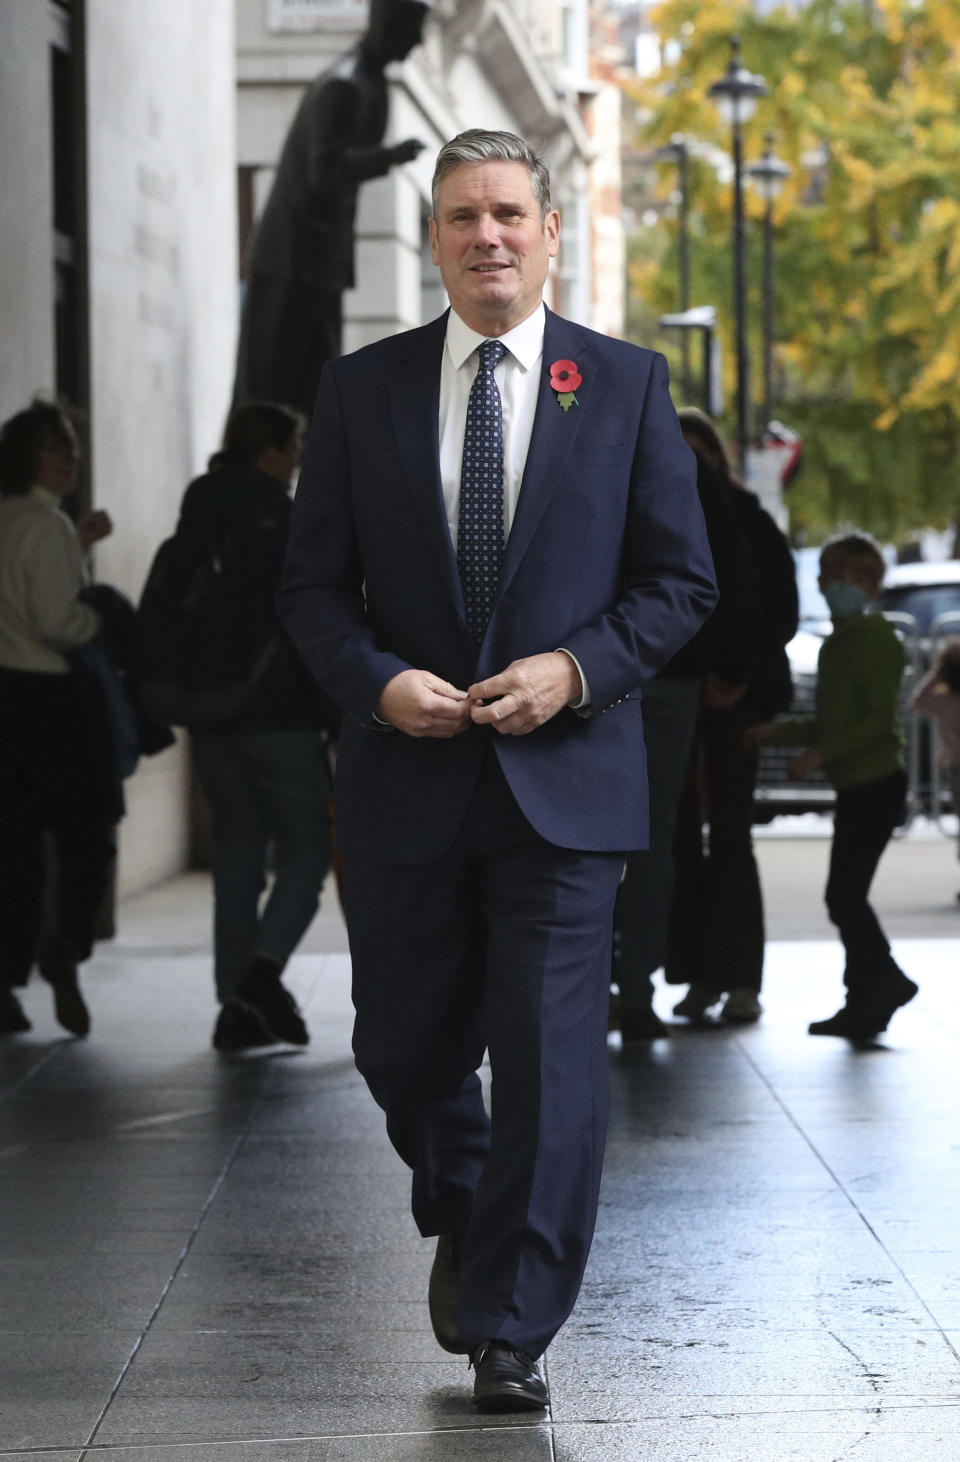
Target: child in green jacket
856 737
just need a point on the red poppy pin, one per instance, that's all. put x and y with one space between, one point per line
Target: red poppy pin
564 379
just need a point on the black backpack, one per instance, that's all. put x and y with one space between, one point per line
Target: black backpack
200 649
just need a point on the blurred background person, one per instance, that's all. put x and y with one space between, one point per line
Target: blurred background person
49 751
717 930
716 665
856 736
264 771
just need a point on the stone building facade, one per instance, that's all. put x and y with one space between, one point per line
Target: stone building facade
118 281
138 143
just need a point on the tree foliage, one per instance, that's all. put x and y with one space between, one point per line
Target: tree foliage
868 242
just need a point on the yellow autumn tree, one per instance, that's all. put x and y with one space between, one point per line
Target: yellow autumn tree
864 105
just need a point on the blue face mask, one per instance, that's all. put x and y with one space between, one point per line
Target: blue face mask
845 600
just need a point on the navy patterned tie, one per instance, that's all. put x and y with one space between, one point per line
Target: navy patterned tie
480 525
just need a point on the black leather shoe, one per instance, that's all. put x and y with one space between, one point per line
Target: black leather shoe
239 1028
58 966
853 1025
506 1379
262 990
442 1294
863 1021
897 991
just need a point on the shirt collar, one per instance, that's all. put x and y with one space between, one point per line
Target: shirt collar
45 496
524 341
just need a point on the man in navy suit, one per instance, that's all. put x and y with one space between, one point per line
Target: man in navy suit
494 546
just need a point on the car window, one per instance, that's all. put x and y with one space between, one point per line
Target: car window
924 601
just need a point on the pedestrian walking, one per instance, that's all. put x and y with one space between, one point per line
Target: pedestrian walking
856 737
258 743
496 542
50 747
717 934
712 669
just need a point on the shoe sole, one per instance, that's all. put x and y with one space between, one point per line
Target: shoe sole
510 1401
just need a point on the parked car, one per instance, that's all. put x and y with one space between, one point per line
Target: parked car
927 592
775 795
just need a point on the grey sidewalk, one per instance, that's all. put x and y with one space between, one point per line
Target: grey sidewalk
211 1258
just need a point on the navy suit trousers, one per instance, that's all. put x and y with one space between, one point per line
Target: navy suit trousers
502 945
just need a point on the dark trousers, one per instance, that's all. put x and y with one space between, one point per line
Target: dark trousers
503 944
49 784
268 792
865 818
716 929
645 898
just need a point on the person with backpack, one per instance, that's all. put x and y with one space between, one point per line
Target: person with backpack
257 724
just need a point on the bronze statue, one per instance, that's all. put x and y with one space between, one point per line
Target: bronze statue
301 259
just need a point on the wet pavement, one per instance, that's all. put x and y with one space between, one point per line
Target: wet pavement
211 1258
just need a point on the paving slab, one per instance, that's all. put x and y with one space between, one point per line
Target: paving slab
774 1276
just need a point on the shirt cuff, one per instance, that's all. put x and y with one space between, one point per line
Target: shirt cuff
584 704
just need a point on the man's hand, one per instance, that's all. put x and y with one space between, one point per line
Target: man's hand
421 704
803 764
526 694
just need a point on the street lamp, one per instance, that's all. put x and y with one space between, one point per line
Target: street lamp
736 95
768 177
676 150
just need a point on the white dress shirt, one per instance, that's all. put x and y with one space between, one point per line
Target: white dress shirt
518 378
42 569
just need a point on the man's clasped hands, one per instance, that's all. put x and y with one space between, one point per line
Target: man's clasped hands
518 700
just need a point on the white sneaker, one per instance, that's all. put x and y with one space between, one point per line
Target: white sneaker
742 1006
696 1002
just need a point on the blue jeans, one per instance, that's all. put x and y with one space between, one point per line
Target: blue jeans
265 789
642 919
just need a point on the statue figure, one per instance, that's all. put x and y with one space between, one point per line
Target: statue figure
301 259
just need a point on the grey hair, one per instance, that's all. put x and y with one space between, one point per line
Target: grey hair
477 145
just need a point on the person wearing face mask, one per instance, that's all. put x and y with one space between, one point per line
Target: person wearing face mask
855 736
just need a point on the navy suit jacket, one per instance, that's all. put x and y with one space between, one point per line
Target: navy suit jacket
607 557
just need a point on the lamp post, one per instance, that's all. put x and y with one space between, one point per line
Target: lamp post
676 150
736 95
768 177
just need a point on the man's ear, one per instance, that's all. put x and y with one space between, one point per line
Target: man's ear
551 229
434 246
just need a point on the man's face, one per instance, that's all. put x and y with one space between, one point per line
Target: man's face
491 247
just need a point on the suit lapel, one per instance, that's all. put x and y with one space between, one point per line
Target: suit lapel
554 433
415 406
